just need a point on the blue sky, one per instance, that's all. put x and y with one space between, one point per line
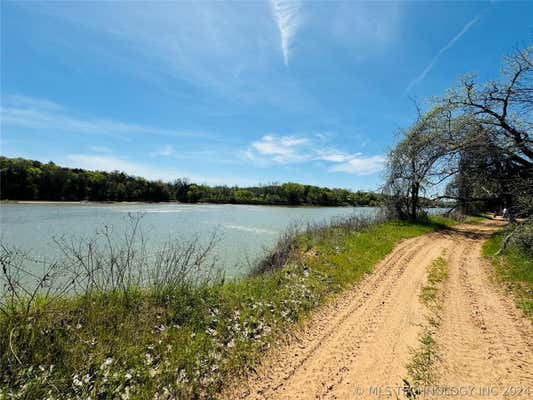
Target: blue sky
237 93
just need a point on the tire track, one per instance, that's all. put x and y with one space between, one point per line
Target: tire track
364 337
485 341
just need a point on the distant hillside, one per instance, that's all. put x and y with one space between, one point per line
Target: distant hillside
23 179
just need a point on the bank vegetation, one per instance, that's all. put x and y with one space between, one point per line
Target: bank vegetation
108 320
23 179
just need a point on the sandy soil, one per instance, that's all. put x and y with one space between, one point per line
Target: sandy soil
361 342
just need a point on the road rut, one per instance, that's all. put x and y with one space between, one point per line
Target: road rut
361 342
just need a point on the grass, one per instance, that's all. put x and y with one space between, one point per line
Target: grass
436 274
513 268
421 366
186 341
476 218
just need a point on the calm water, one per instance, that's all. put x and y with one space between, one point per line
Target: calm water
244 231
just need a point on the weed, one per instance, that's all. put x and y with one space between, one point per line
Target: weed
436 274
178 338
514 267
421 366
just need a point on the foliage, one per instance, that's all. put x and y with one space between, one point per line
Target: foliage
514 265
31 180
421 367
184 341
522 238
418 161
437 273
475 146
422 363
496 165
503 107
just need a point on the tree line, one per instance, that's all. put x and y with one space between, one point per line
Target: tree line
22 179
474 146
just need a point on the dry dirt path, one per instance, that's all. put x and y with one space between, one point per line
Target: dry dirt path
363 339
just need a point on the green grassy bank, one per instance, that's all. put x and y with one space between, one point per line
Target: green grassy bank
514 268
182 341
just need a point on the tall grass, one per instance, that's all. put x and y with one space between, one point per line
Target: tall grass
154 330
514 265
296 238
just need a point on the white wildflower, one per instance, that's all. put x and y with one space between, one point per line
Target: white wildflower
108 361
149 359
76 381
126 394
182 377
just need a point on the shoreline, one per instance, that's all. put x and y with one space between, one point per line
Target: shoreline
232 325
86 202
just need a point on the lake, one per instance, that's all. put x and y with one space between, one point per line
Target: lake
244 231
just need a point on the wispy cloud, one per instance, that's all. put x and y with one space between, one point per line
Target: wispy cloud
361 165
31 113
448 46
363 26
301 149
100 149
334 157
113 163
211 45
165 151
286 15
280 149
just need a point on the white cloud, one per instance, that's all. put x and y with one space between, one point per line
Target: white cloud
448 46
334 157
281 149
286 15
361 165
112 163
297 149
30 113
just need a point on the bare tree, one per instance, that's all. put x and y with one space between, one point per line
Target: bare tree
496 168
503 106
424 159
477 141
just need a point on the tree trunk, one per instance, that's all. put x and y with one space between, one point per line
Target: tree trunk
414 199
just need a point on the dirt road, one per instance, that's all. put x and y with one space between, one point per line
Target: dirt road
360 344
